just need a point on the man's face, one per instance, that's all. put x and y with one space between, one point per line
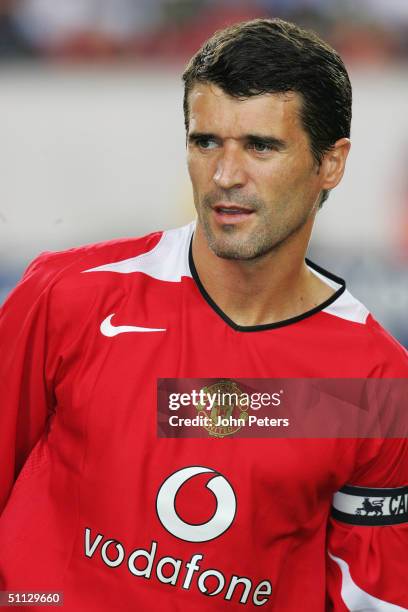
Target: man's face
254 178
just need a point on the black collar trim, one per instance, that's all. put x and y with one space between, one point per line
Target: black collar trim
255 328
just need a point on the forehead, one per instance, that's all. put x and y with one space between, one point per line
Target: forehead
211 110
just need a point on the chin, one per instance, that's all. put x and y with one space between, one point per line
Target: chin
236 250
235 243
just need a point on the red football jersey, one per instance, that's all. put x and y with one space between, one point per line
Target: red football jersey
96 505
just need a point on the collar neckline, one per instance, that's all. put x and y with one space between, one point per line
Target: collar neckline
321 272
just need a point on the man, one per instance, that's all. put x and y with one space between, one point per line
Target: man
118 517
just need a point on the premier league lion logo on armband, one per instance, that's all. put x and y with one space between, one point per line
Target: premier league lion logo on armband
368 506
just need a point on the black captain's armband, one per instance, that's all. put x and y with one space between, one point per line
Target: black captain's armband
368 506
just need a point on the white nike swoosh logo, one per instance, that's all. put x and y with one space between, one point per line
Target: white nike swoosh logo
109 330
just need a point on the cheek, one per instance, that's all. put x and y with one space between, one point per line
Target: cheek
199 171
195 177
193 166
284 178
190 165
274 178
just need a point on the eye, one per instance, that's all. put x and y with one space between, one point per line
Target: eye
206 143
260 147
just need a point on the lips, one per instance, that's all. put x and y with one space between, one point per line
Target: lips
232 209
227 213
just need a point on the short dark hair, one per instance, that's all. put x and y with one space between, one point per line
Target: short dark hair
274 56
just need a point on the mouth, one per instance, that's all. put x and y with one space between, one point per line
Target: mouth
228 212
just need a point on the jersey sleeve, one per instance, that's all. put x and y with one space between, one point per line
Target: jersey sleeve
25 397
367 567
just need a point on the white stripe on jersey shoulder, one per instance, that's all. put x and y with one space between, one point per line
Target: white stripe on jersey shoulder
358 600
346 306
167 261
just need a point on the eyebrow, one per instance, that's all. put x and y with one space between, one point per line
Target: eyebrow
271 141
193 136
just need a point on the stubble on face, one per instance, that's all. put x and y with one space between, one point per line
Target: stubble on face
267 236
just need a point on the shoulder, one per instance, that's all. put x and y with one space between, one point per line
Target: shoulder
59 274
365 338
392 356
162 255
360 343
69 281
49 267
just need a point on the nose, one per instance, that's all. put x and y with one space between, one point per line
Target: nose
230 172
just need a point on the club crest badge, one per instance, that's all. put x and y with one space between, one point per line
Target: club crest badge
229 411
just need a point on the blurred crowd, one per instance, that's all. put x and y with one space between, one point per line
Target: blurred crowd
368 31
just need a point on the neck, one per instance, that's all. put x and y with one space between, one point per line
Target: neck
268 289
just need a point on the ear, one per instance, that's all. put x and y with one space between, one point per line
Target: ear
333 163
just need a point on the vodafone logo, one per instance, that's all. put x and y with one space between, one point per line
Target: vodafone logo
185 491
216 524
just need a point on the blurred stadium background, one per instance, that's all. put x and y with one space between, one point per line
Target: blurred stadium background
92 136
